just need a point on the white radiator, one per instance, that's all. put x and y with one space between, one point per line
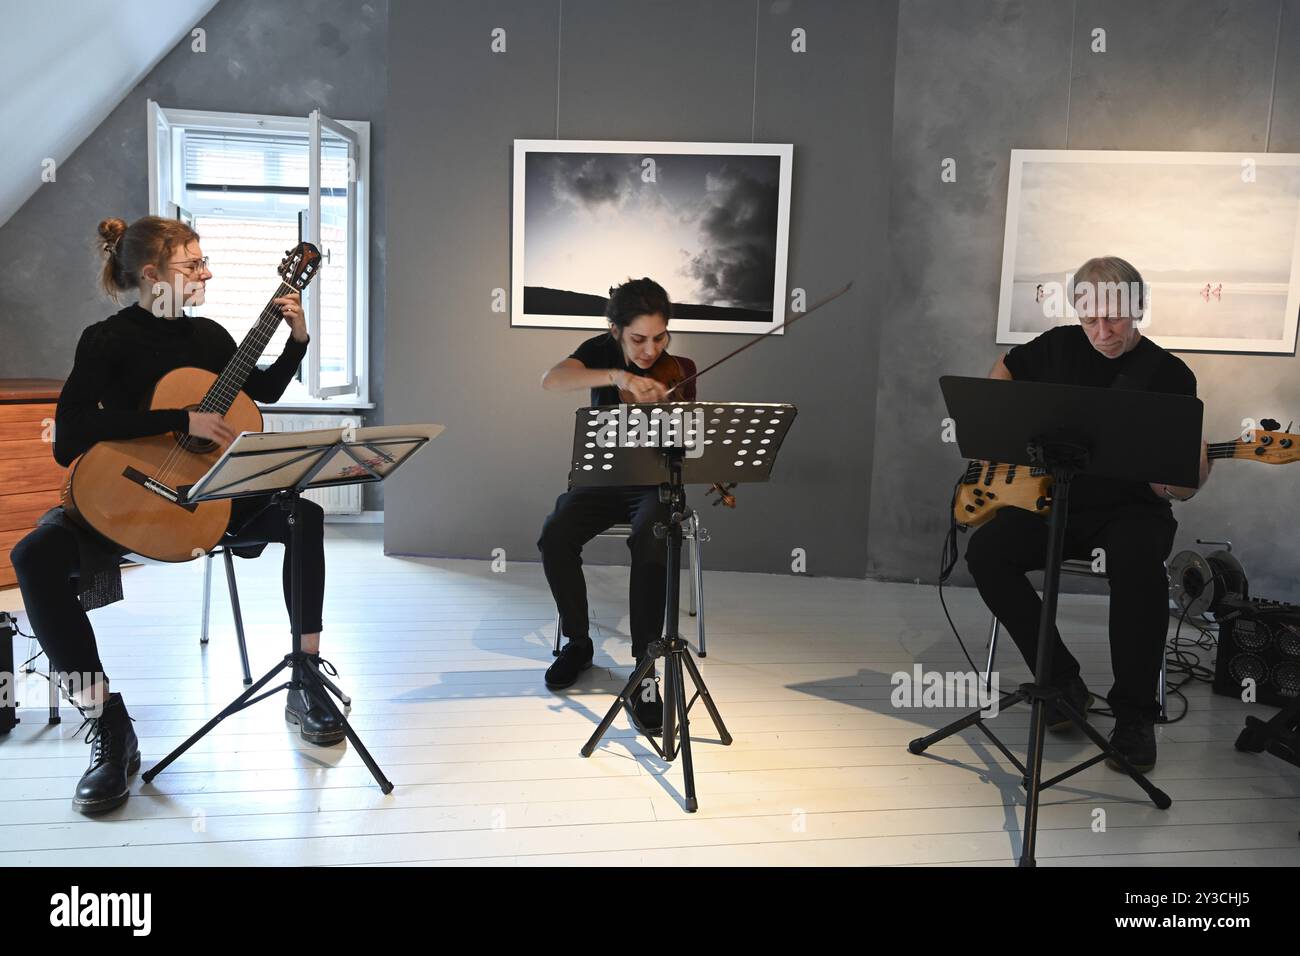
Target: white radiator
344 500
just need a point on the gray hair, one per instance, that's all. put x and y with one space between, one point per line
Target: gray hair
1114 278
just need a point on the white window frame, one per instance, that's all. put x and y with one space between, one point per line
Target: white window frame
163 124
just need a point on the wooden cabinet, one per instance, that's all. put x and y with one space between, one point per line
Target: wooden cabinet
30 478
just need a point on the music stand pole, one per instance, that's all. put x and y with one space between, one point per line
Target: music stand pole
673 649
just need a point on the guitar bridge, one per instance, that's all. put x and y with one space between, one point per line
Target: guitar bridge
159 488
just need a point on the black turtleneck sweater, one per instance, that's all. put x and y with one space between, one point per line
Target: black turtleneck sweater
120 359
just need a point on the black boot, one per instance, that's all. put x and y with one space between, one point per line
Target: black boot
1135 737
316 722
648 704
573 660
114 757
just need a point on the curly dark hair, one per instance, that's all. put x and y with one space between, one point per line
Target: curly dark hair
636 297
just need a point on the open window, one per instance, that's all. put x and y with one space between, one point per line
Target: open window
254 186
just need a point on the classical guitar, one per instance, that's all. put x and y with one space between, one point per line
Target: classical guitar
987 487
132 492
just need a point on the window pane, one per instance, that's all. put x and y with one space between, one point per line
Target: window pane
244 254
245 159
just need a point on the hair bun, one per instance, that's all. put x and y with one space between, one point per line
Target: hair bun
110 231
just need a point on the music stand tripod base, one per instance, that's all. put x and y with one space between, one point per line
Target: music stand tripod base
285 465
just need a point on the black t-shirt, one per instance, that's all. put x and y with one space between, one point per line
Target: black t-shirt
603 351
1064 356
120 360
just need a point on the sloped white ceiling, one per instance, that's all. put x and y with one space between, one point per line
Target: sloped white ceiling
64 66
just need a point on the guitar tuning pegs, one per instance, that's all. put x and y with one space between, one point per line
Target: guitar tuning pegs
1269 424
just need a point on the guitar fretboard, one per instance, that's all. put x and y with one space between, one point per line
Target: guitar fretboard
232 378
976 472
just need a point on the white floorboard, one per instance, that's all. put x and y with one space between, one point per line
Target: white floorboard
444 662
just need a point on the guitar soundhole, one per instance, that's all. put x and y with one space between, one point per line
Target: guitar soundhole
192 443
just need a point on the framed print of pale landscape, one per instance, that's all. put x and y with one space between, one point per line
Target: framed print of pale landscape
707 221
1216 237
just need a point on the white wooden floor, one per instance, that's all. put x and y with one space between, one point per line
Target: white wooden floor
444 662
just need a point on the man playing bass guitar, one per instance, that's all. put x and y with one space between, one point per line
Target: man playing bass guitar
1132 522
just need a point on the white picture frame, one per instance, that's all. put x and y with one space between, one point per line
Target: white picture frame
1216 237
708 221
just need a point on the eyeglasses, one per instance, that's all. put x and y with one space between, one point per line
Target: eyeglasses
192 265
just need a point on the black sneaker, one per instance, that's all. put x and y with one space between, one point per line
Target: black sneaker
575 657
1076 693
1135 738
114 758
316 723
647 704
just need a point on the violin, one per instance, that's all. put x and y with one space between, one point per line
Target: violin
670 372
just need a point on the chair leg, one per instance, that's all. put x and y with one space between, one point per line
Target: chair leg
1164 686
207 597
691 562
55 717
697 579
556 652
34 651
239 617
994 628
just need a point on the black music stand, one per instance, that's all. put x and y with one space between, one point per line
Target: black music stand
285 465
689 443
1069 430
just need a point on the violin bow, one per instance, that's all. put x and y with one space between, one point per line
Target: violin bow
762 335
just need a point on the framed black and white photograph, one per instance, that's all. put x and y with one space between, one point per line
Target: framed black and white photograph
1216 237
707 221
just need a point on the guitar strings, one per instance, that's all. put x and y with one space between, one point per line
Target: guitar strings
178 448
227 385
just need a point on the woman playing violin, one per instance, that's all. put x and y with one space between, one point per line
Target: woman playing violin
616 366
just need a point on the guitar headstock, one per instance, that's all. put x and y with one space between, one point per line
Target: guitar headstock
300 265
1267 444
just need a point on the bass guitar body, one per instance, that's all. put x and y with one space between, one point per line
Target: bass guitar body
128 491
985 489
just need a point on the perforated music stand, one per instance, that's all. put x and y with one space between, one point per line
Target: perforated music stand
687 443
284 465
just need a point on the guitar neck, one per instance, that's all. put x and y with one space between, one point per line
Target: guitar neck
1269 447
1272 448
232 378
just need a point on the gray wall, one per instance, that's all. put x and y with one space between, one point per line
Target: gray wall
977 79
629 70
287 58
974 79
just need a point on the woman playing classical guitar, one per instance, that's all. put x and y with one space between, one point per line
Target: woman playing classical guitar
63 568
613 362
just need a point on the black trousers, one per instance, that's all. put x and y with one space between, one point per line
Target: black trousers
580 515
45 560
1136 541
